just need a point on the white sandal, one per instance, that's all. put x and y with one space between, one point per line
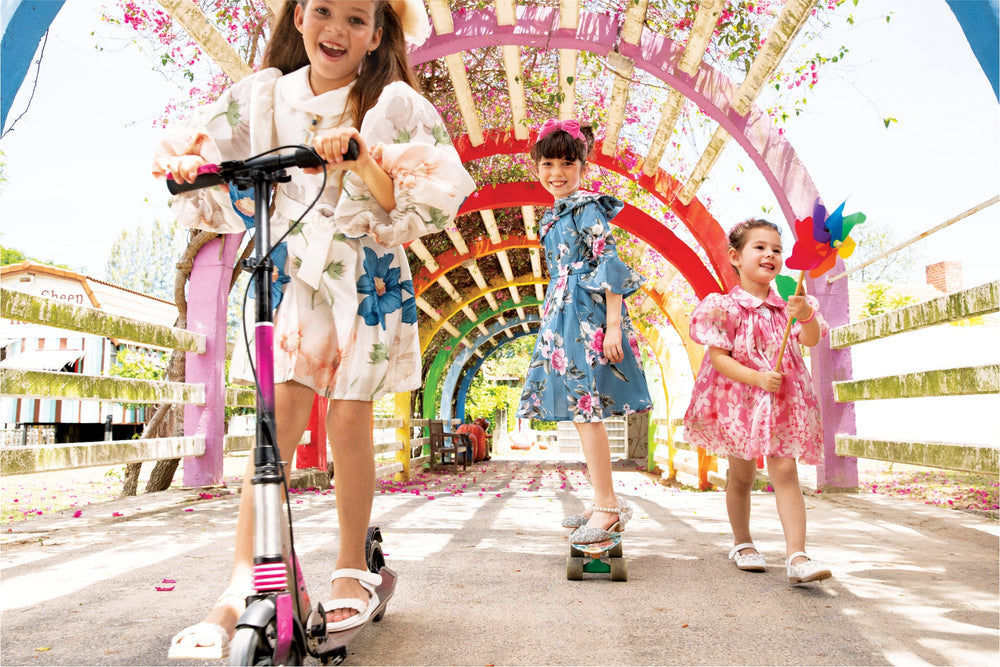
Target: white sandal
751 562
203 641
806 571
365 608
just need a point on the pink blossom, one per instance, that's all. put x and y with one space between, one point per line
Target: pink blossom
559 361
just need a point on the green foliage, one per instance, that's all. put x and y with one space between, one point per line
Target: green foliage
498 384
144 259
874 238
11 256
146 365
878 300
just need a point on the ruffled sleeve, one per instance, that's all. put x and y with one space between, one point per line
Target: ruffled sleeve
607 272
824 328
407 137
713 322
218 133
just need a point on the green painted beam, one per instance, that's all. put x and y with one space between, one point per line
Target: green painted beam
971 458
945 382
62 315
45 384
962 305
44 458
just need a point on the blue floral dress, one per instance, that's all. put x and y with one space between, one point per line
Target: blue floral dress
569 378
346 325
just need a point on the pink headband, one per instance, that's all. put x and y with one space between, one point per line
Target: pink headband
570 127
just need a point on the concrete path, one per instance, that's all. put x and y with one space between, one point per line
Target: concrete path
482 561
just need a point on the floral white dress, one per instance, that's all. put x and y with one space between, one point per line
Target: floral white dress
346 325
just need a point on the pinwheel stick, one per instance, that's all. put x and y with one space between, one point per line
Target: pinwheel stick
788 325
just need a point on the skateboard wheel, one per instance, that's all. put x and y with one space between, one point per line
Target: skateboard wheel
619 569
574 568
615 551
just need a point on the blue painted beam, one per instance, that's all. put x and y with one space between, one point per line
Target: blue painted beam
980 21
25 21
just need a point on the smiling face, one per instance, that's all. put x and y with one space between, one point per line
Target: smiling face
758 261
337 34
560 177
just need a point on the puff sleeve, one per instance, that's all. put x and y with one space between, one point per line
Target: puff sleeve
407 137
608 273
219 132
713 322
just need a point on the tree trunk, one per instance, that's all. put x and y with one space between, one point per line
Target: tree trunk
162 475
131 483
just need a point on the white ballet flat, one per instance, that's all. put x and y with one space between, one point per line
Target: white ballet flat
806 571
751 562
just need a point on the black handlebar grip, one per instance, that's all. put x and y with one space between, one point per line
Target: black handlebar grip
202 181
352 150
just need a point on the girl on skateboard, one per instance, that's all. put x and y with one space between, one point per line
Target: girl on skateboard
346 325
585 365
741 409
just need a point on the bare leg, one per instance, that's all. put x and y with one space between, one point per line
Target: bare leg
349 425
784 476
293 404
597 452
738 487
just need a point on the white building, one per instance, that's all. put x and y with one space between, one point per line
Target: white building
38 347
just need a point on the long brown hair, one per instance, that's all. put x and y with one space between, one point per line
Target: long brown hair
386 64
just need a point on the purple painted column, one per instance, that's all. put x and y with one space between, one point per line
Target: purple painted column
828 366
208 294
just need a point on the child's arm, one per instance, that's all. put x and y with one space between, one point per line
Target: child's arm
613 330
798 308
331 147
722 360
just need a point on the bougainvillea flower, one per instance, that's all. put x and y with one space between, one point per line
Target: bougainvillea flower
821 239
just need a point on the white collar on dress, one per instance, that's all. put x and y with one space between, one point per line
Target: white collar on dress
297 93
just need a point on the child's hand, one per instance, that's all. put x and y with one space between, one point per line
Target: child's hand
769 381
183 168
613 343
331 146
799 308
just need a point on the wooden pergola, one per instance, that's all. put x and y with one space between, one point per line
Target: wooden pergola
471 297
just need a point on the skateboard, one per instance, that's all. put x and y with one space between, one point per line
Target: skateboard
331 648
600 557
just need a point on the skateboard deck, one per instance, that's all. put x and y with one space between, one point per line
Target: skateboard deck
332 650
598 557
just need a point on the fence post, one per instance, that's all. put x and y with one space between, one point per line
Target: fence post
838 473
402 404
208 294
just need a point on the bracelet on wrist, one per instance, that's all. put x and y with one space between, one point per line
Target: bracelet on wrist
812 314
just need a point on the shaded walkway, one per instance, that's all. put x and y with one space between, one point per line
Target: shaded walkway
482 578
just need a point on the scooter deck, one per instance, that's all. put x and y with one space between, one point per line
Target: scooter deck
333 649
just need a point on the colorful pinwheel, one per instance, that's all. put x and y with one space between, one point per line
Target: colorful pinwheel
819 241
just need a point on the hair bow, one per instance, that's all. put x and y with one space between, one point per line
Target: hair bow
413 18
570 127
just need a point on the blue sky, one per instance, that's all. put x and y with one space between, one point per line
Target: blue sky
77 162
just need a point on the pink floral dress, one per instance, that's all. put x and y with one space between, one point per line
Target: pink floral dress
730 418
